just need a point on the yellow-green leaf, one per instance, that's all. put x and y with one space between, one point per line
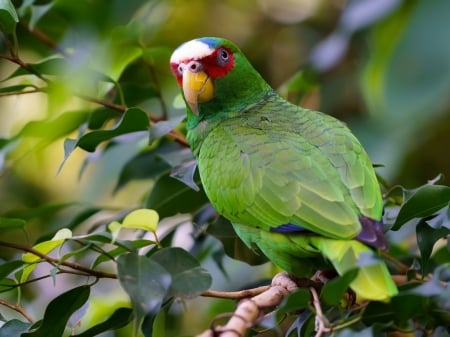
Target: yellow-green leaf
114 228
44 248
146 219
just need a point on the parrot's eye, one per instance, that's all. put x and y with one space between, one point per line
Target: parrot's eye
181 69
223 57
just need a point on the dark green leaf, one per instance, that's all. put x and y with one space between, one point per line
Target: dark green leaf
9 267
133 120
136 93
120 318
7 284
442 219
334 290
146 165
59 311
133 246
378 312
426 238
170 196
189 279
164 127
9 223
146 282
16 88
40 211
51 66
8 17
14 328
38 11
232 244
186 173
56 128
69 146
100 116
300 299
426 201
436 286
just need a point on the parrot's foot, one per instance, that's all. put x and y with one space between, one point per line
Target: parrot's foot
323 276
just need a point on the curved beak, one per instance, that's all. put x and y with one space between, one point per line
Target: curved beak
197 85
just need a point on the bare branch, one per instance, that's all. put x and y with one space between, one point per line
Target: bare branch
17 308
53 261
249 310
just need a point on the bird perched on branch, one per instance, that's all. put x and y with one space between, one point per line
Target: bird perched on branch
295 183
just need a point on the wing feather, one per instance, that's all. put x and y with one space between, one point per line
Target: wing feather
289 165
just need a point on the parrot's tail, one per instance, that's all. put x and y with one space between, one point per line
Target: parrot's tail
373 281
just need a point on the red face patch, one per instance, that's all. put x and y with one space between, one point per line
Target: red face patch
215 65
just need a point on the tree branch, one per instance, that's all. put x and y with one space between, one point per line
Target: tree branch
51 260
249 310
17 308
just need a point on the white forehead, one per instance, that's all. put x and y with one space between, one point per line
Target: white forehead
191 50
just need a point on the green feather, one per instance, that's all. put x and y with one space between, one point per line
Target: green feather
265 162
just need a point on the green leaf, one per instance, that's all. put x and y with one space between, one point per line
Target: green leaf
53 129
14 328
378 312
7 284
189 279
146 219
186 174
38 11
436 286
145 165
133 120
132 246
59 311
41 211
136 93
232 244
162 128
16 88
7 268
8 17
43 247
50 66
100 116
169 196
120 318
146 282
334 290
300 299
426 238
11 223
426 201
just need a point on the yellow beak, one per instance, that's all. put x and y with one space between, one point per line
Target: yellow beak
197 88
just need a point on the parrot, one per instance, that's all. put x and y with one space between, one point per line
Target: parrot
295 184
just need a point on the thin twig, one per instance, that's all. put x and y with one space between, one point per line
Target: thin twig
54 261
235 295
17 308
43 37
321 320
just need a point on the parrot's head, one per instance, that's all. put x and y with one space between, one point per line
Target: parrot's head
215 76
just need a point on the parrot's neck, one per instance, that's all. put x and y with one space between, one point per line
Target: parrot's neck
236 93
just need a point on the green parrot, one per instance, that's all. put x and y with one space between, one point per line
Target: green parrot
295 183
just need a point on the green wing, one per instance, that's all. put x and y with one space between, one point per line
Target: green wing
280 164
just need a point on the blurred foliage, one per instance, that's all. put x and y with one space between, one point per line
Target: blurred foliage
91 129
